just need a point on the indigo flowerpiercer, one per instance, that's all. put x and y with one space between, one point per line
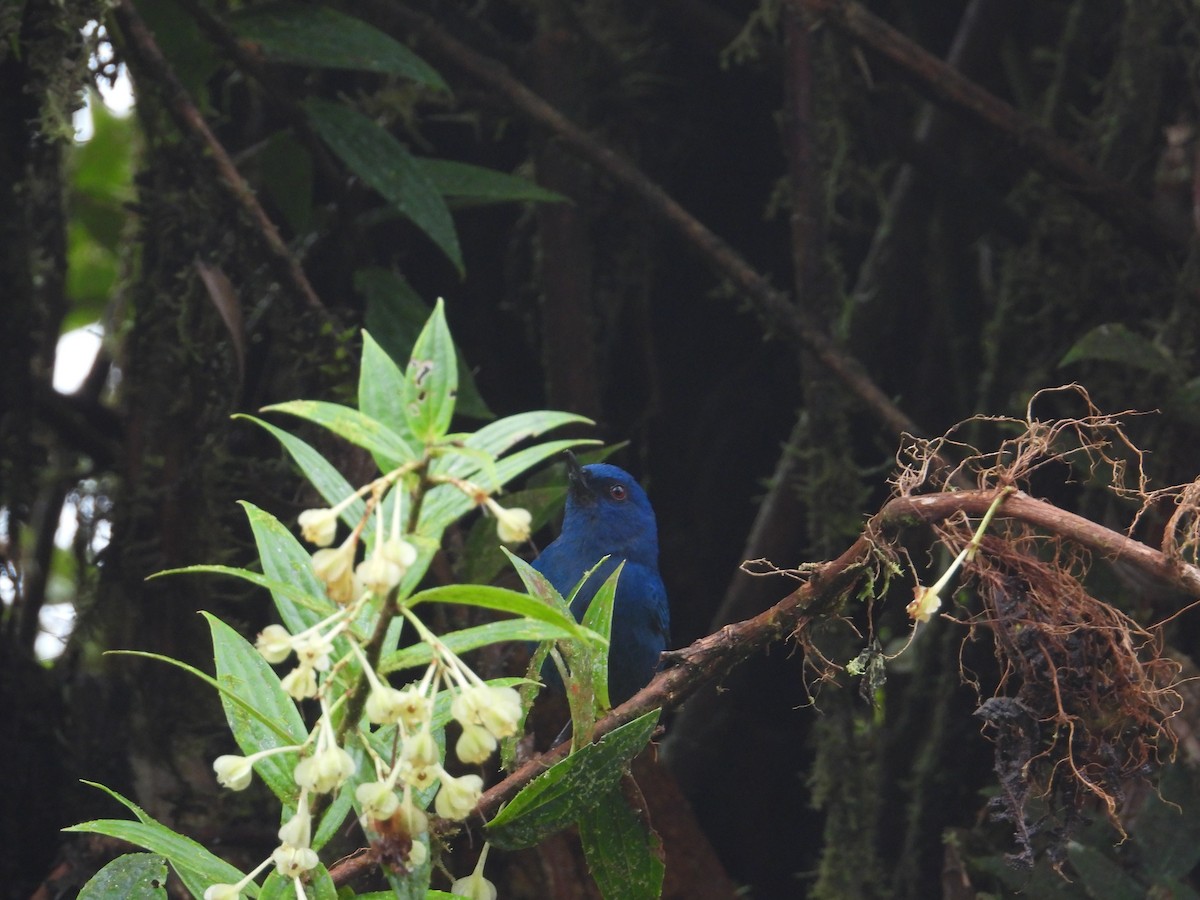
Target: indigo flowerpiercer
608 514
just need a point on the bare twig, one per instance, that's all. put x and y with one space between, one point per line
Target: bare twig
1042 150
189 120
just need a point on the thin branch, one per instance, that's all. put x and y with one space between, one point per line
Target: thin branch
773 306
189 120
716 654
1048 155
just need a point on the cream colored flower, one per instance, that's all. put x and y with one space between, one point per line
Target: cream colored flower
512 525
457 796
925 602
318 526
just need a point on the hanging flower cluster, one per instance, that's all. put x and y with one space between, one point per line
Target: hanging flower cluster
486 713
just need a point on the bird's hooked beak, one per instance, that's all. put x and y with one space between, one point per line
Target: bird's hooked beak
577 481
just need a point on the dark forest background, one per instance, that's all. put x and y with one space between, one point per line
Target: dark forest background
779 237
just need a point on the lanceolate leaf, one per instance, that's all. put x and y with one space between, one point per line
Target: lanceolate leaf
446 503
381 387
471 638
567 790
324 476
480 185
285 559
537 584
598 618
1115 343
386 165
431 380
323 37
623 852
197 867
242 671
502 600
394 316
356 427
282 588
134 876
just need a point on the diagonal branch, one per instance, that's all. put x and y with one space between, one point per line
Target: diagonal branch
773 306
1041 149
716 654
190 121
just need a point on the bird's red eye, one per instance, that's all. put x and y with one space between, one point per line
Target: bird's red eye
618 492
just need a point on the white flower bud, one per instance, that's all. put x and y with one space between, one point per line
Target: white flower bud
297 831
474 887
457 796
378 799
300 683
274 643
512 525
318 526
233 772
378 574
292 861
222 892
475 744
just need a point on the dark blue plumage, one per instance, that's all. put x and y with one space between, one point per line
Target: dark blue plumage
608 514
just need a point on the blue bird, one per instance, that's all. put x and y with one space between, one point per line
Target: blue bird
608 514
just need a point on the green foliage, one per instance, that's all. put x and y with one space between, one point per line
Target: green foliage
1115 343
430 386
386 165
101 179
194 865
375 754
134 876
622 850
326 38
568 789
394 317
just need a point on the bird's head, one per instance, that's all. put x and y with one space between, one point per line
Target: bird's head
608 511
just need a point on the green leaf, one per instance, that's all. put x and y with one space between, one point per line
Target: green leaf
266 717
503 600
446 503
283 588
196 879
468 639
497 438
623 853
1184 402
483 557
1114 342
285 559
537 584
196 866
381 386
1103 878
1167 829
598 618
431 380
325 38
320 472
475 183
395 316
567 790
134 876
386 165
103 165
319 886
343 804
284 169
356 427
